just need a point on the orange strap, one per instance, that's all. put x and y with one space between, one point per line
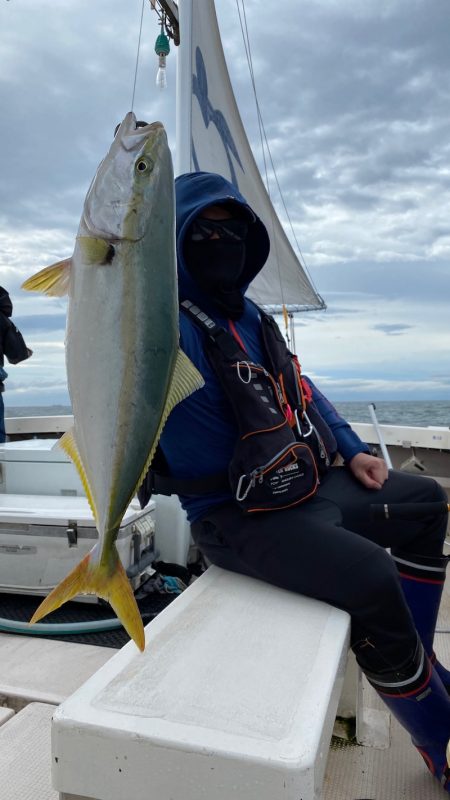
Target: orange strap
305 389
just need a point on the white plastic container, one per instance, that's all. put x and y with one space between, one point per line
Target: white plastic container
43 537
37 466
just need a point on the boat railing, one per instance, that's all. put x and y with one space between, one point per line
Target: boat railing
37 427
432 437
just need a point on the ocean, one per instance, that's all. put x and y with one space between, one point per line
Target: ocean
401 412
420 413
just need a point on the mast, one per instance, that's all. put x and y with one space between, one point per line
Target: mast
184 91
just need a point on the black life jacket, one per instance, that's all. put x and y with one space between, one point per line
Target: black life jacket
284 444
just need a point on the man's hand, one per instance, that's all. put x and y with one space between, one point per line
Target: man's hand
370 470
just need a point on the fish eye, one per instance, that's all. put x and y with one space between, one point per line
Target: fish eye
143 165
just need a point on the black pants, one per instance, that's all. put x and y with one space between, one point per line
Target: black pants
330 549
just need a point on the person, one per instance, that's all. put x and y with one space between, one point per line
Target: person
12 346
251 457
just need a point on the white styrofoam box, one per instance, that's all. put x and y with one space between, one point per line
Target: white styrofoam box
234 696
38 533
172 530
37 466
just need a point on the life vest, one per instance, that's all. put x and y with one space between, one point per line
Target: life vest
284 444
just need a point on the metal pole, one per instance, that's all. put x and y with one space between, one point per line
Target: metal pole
184 90
384 450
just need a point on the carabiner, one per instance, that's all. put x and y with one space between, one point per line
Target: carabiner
299 427
251 483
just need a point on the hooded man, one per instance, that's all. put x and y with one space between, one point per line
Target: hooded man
250 453
12 346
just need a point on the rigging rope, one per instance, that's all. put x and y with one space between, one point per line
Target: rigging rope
248 52
246 40
262 128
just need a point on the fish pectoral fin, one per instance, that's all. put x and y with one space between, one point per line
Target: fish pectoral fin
111 584
95 251
53 280
69 445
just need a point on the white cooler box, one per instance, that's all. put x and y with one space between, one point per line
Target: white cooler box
43 538
37 466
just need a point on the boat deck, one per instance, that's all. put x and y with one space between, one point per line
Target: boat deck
366 773
396 772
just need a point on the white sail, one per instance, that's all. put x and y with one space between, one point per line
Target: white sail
211 137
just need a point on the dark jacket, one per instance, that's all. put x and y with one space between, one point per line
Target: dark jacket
205 423
12 344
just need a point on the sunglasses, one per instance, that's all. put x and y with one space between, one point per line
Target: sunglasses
232 230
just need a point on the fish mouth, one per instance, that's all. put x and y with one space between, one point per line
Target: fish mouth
104 221
130 130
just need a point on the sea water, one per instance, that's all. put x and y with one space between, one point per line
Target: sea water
402 412
409 412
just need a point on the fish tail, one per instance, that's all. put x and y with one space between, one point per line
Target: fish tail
123 601
109 582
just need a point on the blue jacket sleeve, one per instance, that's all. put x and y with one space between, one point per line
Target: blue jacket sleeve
348 442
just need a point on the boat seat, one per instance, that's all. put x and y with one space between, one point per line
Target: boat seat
235 696
25 755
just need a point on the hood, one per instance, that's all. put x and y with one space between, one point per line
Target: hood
6 307
195 191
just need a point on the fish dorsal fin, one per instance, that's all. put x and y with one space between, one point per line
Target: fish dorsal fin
69 445
53 280
186 379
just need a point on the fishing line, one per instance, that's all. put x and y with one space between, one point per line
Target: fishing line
137 56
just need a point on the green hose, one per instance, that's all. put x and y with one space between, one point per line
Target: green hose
58 628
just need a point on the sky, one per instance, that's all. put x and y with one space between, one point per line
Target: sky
355 99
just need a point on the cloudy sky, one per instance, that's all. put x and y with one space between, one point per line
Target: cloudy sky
355 98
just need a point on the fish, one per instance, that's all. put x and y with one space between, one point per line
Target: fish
125 369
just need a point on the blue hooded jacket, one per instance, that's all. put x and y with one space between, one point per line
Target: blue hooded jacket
200 433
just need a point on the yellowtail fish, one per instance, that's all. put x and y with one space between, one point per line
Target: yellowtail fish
125 370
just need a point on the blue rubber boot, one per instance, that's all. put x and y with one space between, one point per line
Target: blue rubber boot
422 579
417 698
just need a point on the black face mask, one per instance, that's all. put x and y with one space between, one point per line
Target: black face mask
216 266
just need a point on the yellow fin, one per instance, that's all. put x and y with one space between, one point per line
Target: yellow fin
113 586
186 379
53 280
95 251
69 445
123 601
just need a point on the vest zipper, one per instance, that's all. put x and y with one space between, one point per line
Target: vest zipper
258 473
